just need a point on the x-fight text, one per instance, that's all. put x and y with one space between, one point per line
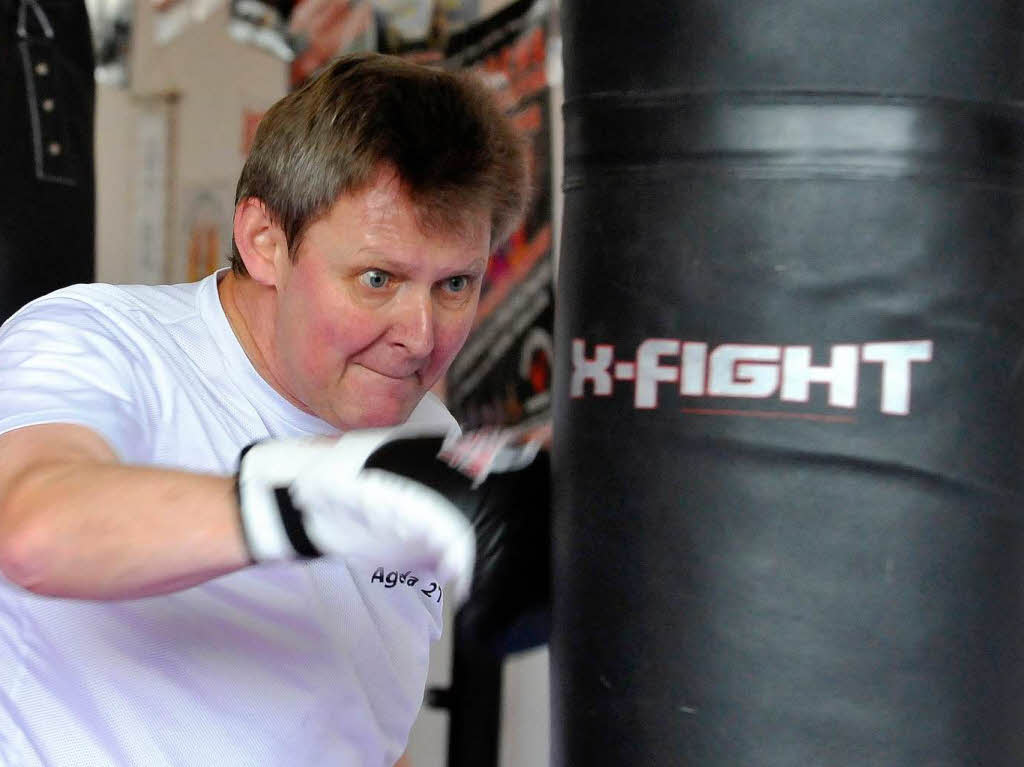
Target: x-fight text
749 371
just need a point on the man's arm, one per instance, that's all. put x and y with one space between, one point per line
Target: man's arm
74 522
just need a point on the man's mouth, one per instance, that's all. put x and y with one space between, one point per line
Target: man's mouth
397 375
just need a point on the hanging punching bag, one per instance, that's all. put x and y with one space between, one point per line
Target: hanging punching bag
47 196
789 527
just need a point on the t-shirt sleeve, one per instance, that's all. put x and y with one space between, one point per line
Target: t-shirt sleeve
64 361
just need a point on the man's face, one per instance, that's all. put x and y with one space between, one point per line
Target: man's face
372 311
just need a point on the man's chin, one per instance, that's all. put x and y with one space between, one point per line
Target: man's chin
378 415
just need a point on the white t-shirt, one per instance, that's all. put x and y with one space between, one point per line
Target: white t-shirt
305 664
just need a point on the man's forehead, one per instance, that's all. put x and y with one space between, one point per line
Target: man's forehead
378 202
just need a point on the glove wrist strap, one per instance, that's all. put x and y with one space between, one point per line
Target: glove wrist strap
271 524
291 518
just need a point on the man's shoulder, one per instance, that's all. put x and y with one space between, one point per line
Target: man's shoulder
167 301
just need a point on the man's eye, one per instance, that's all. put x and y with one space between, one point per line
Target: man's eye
457 284
375 278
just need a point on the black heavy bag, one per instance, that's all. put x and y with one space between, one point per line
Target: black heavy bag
788 512
47 196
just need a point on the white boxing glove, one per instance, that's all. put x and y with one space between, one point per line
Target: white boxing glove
313 497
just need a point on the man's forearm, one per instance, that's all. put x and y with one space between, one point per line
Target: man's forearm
98 530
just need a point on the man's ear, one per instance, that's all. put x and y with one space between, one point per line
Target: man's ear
261 243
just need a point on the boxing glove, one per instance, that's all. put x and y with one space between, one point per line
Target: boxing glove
500 479
413 495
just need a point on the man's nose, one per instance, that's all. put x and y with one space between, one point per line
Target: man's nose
413 328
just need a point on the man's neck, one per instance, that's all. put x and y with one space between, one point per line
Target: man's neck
249 308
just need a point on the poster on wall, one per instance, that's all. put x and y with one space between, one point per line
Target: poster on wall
503 374
403 22
421 29
321 30
151 177
310 33
206 221
263 23
307 33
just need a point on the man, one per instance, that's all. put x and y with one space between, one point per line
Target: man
364 219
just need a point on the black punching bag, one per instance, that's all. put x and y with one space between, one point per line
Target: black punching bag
789 529
47 94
